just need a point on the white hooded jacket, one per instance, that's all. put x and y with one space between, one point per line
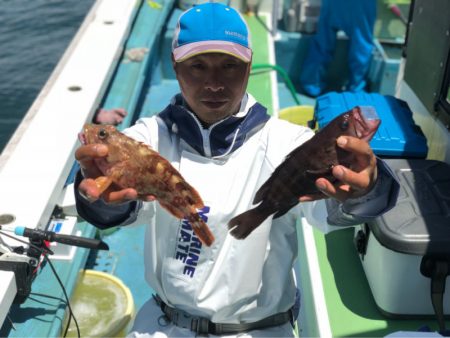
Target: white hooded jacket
232 281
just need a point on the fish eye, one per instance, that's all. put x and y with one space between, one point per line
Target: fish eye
102 134
344 125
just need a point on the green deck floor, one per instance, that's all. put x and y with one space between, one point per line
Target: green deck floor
351 307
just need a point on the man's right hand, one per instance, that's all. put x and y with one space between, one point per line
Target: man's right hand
86 156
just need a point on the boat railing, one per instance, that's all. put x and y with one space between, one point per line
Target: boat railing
37 160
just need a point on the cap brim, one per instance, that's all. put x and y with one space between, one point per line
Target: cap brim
202 47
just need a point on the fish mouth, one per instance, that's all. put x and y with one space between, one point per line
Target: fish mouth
82 138
366 122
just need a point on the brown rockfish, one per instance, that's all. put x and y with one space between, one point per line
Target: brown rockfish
133 164
297 174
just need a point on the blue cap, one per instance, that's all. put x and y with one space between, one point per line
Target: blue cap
211 28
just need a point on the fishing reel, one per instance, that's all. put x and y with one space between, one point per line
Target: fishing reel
25 263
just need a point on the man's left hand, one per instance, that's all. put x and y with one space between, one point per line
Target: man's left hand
351 183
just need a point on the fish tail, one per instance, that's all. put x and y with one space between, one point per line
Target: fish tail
202 231
243 224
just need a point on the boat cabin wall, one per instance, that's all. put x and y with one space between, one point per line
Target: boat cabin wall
425 74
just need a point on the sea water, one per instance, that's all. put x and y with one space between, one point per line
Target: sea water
33 37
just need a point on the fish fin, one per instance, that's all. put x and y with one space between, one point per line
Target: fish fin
243 224
320 172
191 195
172 210
201 229
194 197
288 205
282 212
102 183
262 191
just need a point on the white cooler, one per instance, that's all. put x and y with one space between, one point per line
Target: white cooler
402 249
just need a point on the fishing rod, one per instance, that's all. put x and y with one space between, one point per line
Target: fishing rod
25 262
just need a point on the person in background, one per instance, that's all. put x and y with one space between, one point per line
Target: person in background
113 116
357 19
225 145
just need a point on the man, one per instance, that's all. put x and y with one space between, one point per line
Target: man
225 145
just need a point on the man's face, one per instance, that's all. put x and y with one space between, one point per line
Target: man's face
213 84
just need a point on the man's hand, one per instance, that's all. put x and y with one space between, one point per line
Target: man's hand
113 116
351 183
87 155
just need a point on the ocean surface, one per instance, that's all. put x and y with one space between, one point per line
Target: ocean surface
33 37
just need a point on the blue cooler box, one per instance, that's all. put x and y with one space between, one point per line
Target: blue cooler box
397 136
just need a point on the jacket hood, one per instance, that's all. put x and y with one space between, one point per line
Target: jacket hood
222 137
